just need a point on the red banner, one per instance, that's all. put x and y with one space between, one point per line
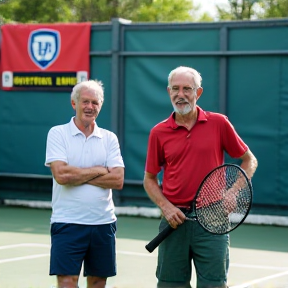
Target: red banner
49 56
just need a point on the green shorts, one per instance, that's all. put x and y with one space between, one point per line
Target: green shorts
209 252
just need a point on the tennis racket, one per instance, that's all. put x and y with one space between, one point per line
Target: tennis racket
222 202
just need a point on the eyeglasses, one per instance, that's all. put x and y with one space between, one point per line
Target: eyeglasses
186 90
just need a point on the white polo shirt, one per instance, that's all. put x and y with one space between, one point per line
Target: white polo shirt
83 204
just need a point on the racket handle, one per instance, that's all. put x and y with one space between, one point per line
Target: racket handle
154 243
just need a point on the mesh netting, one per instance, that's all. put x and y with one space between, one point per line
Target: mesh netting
224 199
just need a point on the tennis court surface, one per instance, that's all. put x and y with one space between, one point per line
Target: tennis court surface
259 253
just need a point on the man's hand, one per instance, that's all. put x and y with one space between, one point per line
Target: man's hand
173 215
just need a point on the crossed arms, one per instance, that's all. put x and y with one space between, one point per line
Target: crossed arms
100 176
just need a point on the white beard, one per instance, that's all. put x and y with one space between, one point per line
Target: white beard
184 111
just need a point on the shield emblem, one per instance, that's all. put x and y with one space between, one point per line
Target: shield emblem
44 47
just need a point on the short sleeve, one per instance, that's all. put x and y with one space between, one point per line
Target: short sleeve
55 147
154 159
114 157
232 142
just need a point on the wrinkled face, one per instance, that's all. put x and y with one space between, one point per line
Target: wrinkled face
183 93
87 107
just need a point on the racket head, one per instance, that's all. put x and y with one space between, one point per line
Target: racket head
224 199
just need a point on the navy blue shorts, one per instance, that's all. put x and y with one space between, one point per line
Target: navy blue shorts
74 243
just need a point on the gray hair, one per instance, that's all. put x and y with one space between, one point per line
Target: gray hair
95 85
182 69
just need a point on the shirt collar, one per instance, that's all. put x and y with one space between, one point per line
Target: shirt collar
202 117
75 130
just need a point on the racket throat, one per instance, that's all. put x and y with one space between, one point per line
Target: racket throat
193 218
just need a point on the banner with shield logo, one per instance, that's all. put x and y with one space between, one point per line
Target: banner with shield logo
44 57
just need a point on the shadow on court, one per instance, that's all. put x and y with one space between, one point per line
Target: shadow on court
259 254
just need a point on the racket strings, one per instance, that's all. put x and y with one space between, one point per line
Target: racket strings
224 200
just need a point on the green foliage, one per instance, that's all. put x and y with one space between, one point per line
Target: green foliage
238 10
205 17
36 11
51 11
94 10
135 10
253 9
274 9
164 11
6 11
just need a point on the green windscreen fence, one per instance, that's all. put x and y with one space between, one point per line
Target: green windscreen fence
244 66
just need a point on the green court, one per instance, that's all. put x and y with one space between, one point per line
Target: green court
259 254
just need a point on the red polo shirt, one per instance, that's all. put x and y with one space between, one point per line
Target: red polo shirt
188 156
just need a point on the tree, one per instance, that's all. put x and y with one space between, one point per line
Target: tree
253 9
6 11
205 17
238 10
37 11
94 10
165 11
48 11
274 9
135 10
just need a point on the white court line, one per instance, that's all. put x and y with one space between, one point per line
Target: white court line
24 258
135 253
24 245
48 246
256 281
125 253
258 267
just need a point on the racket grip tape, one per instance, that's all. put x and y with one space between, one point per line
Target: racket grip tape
154 243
